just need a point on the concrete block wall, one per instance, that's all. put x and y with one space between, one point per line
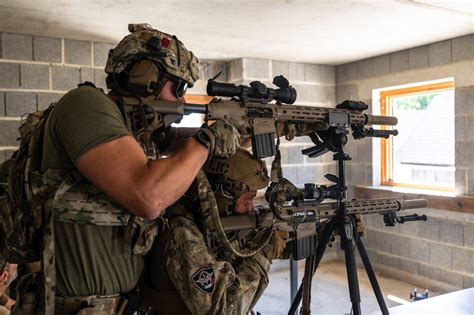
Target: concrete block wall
315 85
439 252
35 71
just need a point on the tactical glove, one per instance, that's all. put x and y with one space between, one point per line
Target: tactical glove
221 139
274 249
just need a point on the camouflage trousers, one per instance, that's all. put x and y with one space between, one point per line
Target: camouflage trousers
184 278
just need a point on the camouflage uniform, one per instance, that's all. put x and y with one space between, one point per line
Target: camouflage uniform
185 277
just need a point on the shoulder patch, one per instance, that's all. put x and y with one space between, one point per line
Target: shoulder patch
204 279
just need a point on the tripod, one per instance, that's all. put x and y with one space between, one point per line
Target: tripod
342 225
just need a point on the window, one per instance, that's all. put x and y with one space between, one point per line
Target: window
422 155
194 120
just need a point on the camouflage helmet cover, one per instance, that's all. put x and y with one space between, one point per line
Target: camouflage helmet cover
241 170
144 42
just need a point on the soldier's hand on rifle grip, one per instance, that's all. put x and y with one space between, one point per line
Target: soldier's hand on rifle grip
221 138
274 249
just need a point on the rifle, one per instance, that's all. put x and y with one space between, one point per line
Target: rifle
302 219
252 113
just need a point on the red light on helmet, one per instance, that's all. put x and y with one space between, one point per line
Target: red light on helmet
165 42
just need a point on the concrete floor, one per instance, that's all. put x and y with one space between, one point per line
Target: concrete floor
330 294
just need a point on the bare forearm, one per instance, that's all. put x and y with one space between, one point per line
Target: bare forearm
168 179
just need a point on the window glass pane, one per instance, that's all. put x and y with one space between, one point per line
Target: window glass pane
423 152
191 120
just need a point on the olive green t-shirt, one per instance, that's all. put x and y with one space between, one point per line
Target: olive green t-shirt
90 259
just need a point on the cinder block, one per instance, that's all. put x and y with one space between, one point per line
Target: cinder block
400 246
463 101
374 67
19 103
461 129
461 180
284 155
452 233
281 68
463 153
101 53
429 271
440 53
391 261
17 47
257 68
409 229
349 72
441 255
44 99
328 74
2 103
294 155
347 92
429 229
65 78
312 72
34 76
375 257
86 74
468 282
419 57
358 176
463 260
420 250
469 235
410 266
47 49
399 61
296 71
452 278
463 47
470 182
291 173
77 52
212 68
9 132
310 93
99 78
9 75
383 241
306 174
236 70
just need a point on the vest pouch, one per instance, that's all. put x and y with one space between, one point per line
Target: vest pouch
6 223
143 234
28 294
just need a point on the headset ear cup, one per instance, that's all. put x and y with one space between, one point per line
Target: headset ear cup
144 76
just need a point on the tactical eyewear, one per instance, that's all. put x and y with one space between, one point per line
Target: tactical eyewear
180 88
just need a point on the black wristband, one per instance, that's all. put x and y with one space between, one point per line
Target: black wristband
202 138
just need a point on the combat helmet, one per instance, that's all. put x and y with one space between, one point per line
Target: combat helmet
233 176
143 60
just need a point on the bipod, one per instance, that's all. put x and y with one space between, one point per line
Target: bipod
344 226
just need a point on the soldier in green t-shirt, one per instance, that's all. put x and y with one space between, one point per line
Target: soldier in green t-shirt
115 187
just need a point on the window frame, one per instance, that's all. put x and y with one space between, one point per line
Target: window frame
387 144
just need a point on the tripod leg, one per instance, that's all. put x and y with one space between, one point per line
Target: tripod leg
322 244
308 277
347 237
372 277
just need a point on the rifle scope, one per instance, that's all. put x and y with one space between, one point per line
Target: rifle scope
255 91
